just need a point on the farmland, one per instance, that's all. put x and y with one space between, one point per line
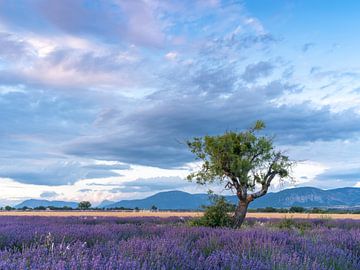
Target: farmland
165 214
95 242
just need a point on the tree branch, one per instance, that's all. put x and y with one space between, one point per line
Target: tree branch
267 180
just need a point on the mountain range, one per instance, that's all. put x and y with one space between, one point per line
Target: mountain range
178 200
32 203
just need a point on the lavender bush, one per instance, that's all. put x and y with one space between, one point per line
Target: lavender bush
156 243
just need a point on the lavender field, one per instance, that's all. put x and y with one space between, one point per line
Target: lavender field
168 243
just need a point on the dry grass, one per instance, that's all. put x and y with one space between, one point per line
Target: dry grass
169 214
303 215
100 213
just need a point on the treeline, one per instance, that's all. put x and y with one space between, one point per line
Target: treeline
65 208
81 206
293 209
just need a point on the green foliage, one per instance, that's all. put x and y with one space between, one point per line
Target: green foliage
291 224
84 205
67 208
242 161
122 208
297 209
215 215
8 208
316 210
154 208
40 208
269 210
286 223
241 158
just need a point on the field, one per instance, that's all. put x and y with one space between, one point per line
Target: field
68 242
170 214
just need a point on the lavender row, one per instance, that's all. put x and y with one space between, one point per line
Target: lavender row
155 243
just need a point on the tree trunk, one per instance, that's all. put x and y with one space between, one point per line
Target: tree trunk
240 213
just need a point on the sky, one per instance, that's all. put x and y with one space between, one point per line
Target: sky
98 97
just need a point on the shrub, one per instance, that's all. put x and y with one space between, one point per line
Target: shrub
292 224
216 214
286 223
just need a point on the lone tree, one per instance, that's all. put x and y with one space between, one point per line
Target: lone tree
84 205
243 161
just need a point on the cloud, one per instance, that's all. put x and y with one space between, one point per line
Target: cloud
154 134
171 56
255 24
12 48
307 46
142 24
48 194
89 81
115 166
84 190
110 21
207 96
52 172
349 175
259 70
151 185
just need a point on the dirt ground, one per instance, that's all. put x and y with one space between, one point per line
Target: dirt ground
170 214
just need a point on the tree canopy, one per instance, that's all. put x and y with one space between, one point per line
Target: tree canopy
244 162
84 205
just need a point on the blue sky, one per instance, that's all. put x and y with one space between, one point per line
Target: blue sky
97 96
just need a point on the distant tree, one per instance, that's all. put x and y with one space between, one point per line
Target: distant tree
8 208
40 208
269 210
84 205
297 209
317 210
154 208
243 161
136 209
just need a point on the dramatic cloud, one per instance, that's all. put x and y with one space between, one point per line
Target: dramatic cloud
89 90
55 173
151 184
258 70
110 21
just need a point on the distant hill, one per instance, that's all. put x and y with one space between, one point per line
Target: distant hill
171 200
302 196
105 203
178 200
32 203
310 197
